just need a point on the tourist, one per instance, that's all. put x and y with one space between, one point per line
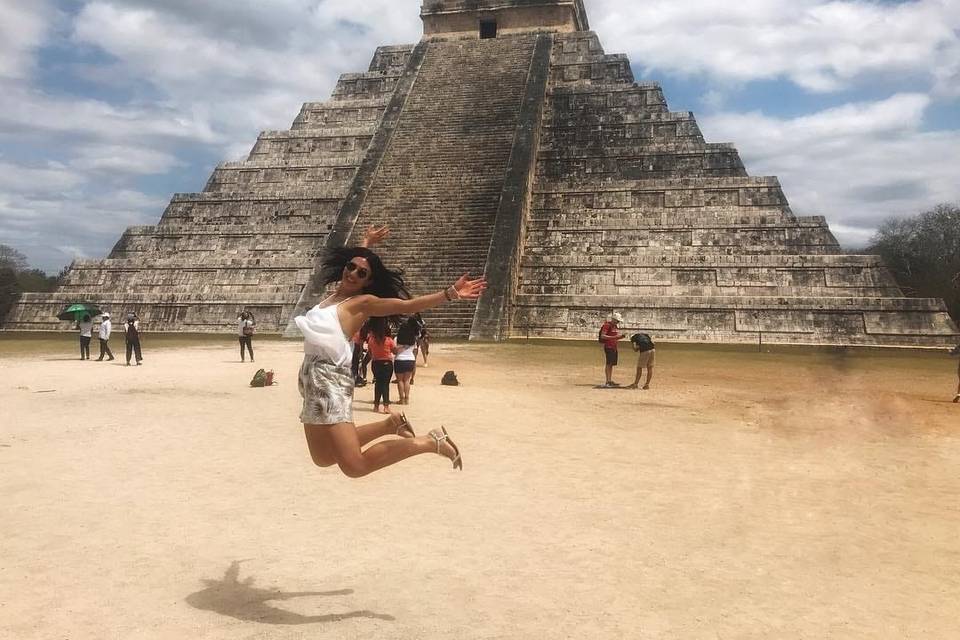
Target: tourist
405 362
642 343
245 329
131 331
105 328
381 346
956 352
424 342
359 353
610 335
365 362
86 334
365 288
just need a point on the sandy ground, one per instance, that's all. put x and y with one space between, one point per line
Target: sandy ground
747 495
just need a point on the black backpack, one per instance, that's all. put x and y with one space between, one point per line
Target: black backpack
450 379
600 335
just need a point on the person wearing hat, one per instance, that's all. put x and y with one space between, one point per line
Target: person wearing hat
105 327
131 329
610 335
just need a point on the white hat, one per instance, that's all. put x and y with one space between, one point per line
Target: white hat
616 317
105 314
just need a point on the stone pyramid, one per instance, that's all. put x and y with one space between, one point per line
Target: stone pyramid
507 142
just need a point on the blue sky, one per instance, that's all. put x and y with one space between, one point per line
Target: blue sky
107 107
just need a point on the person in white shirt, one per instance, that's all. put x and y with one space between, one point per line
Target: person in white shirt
405 362
86 334
245 329
105 328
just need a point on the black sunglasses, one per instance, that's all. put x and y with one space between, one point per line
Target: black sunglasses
361 272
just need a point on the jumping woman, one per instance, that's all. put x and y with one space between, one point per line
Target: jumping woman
366 289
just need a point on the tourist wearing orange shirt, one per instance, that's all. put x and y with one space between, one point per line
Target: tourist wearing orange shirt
381 346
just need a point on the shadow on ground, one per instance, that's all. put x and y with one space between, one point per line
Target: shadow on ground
241 600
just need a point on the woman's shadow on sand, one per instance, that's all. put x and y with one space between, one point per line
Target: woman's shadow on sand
241 600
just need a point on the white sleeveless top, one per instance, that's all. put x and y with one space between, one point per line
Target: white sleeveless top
323 335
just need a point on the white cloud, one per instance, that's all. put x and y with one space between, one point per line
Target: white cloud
24 110
23 27
857 164
54 227
123 159
820 45
51 179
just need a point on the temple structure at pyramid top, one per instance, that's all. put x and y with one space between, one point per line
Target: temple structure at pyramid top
505 142
492 18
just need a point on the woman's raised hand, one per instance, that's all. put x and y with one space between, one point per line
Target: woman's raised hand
374 235
468 289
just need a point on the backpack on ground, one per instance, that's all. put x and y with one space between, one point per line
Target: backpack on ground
450 379
259 379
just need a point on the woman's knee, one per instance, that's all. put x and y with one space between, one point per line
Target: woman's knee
353 466
322 460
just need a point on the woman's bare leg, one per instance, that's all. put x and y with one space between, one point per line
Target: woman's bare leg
320 450
367 433
404 387
344 443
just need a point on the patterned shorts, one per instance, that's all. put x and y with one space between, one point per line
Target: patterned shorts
327 391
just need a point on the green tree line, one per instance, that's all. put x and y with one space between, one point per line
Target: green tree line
923 252
17 277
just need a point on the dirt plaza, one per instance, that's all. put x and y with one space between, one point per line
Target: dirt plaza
777 494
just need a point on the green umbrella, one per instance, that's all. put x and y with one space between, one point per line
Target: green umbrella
75 311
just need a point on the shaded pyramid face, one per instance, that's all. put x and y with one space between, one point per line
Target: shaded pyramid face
505 142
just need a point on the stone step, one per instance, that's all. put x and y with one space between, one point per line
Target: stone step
706 288
610 251
694 257
773 303
637 221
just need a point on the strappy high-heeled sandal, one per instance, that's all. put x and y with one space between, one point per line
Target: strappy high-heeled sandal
405 426
439 435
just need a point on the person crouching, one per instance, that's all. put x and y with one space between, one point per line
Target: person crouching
642 343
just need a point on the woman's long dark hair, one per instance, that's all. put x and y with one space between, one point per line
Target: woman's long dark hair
384 282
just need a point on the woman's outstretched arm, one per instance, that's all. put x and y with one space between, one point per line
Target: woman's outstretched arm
463 289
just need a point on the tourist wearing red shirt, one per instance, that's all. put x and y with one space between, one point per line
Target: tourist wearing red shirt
610 335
